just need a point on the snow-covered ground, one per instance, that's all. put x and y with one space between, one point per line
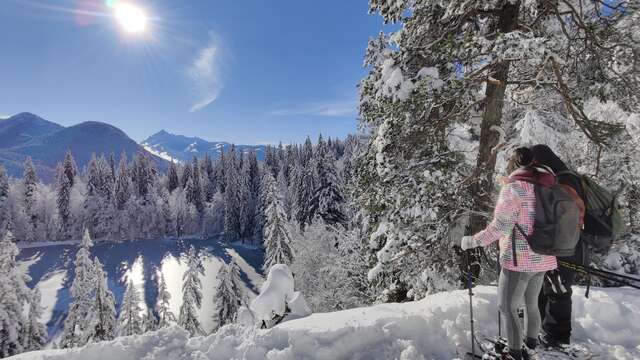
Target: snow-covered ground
51 267
608 323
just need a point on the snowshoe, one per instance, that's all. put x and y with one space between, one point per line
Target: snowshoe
573 351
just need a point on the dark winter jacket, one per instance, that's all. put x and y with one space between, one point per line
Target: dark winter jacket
543 155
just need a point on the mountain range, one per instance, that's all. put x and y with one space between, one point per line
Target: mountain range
182 148
27 134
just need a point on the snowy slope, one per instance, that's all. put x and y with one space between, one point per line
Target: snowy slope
182 148
434 328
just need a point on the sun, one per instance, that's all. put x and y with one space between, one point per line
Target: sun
131 17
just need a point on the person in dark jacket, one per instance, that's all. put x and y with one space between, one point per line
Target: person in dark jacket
555 297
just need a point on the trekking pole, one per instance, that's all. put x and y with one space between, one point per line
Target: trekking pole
469 284
498 271
604 274
570 265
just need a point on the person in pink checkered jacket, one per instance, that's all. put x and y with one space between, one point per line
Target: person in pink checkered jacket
520 280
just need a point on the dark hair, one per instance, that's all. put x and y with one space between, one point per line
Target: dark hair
521 157
543 155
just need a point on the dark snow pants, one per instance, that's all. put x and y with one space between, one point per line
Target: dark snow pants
555 300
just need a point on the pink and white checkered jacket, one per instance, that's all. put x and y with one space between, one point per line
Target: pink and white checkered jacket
517 203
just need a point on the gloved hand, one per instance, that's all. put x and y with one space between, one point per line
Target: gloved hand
467 243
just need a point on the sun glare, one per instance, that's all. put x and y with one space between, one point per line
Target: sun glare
131 18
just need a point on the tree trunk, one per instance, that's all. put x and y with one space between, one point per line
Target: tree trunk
482 187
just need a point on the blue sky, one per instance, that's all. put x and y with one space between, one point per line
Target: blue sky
250 71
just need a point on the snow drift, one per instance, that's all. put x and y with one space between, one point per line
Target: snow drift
434 328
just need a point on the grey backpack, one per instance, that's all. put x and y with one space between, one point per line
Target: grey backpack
558 221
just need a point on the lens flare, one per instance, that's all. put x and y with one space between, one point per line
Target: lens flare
131 18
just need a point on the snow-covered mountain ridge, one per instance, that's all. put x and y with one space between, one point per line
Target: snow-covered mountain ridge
437 327
182 148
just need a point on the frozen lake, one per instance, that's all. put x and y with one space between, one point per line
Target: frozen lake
51 269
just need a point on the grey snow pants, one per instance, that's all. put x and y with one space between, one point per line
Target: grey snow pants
514 290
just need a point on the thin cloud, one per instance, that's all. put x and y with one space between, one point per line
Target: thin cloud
205 73
328 109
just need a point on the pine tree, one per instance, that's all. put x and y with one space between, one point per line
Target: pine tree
210 176
191 295
149 321
172 177
277 240
232 201
65 179
247 201
259 213
98 197
129 320
4 196
326 200
143 174
13 292
303 211
193 189
103 322
186 175
228 298
221 173
35 333
76 325
112 169
165 316
123 183
30 184
434 76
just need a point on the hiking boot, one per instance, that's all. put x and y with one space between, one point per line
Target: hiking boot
512 355
529 349
549 342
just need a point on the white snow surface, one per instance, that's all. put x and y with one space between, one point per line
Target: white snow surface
437 327
161 154
276 293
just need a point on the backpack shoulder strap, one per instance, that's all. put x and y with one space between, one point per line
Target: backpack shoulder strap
568 172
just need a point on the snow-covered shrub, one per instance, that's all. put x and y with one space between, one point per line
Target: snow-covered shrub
277 300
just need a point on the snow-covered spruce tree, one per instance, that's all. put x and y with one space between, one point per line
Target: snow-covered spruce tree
283 189
326 200
408 182
13 292
248 197
191 294
65 179
172 177
221 173
194 193
30 185
34 334
103 321
98 197
228 298
186 175
461 57
165 317
277 239
122 196
81 308
4 197
232 227
149 321
129 319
